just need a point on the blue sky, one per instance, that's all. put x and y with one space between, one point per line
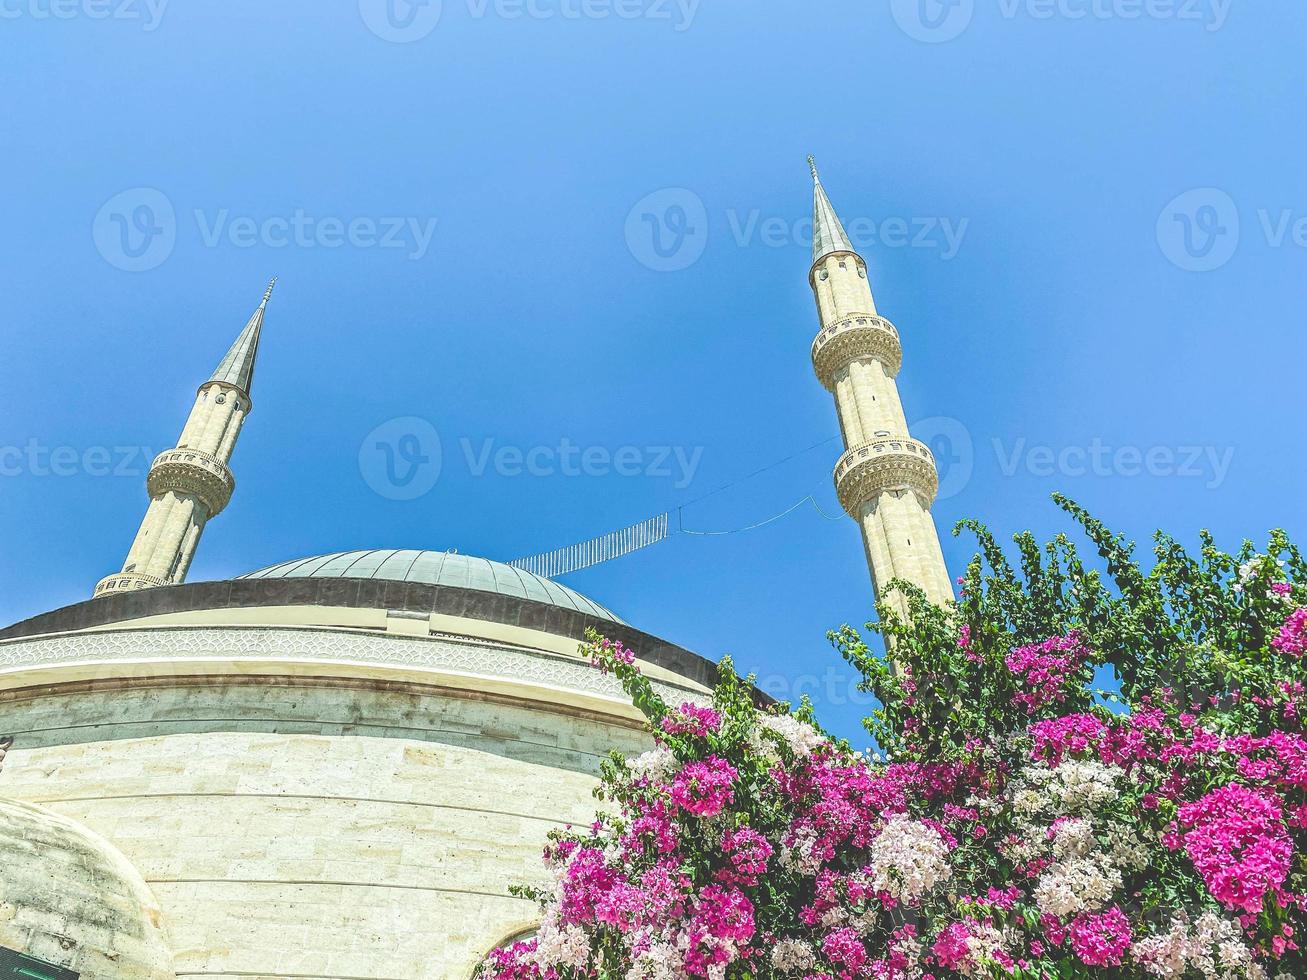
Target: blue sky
1083 216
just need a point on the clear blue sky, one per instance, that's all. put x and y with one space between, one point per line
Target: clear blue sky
1082 305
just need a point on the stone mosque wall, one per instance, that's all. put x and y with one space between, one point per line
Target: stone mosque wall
344 818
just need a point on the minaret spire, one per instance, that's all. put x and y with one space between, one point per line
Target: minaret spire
191 484
886 480
237 367
828 233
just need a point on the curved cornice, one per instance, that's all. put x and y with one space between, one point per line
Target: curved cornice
413 598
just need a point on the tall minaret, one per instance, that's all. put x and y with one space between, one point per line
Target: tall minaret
886 480
191 484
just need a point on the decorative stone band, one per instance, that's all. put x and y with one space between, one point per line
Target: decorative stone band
193 472
851 338
885 464
126 582
115 652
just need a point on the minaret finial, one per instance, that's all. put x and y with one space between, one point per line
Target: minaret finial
812 165
268 294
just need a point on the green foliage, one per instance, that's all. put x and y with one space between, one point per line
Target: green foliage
1187 625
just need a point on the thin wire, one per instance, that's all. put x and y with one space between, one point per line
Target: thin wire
763 469
753 527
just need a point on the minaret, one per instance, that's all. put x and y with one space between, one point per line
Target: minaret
191 484
886 480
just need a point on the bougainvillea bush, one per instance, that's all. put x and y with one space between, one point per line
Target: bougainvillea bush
1022 824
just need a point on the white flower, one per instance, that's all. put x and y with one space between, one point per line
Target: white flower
1074 838
1213 946
561 946
658 959
1070 887
657 765
1074 787
801 737
799 856
908 859
792 956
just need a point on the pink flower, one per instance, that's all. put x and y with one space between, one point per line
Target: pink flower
1046 669
951 948
607 654
1101 938
704 789
1238 843
748 851
690 719
843 948
1074 734
1292 638
516 962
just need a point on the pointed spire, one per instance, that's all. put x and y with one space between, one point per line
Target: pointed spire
237 368
828 233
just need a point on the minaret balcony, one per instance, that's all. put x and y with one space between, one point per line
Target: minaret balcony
852 338
192 472
885 464
126 582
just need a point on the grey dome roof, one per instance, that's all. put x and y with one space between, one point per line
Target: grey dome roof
437 568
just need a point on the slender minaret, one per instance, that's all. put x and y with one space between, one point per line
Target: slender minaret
191 484
886 480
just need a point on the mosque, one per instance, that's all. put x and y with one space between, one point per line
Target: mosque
334 768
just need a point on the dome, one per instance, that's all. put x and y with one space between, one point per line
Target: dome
72 900
441 568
